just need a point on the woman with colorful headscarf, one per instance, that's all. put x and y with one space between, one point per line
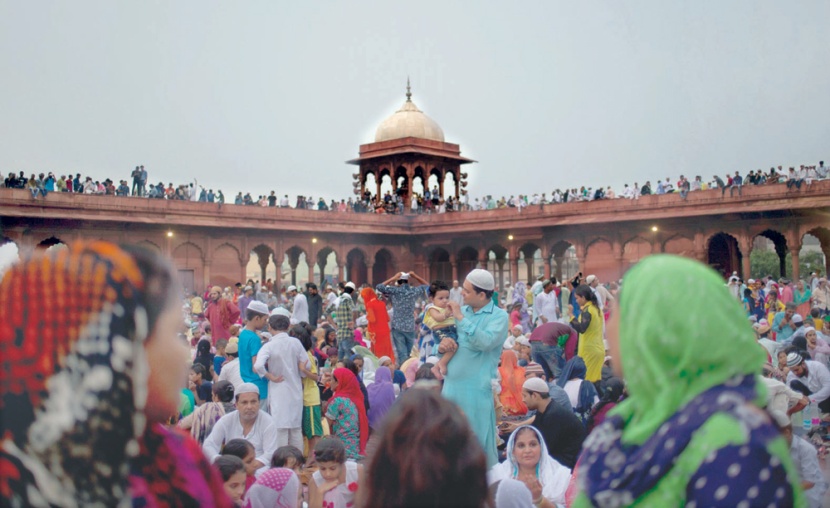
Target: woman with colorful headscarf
692 431
801 298
346 413
275 488
589 323
378 327
512 378
91 366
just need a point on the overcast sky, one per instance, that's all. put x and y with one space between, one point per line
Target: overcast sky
269 95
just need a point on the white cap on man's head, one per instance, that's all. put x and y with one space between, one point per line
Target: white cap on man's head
590 279
291 288
350 285
404 276
258 307
482 279
281 311
246 388
535 384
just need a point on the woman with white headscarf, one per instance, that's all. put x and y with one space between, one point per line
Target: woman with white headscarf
529 462
510 493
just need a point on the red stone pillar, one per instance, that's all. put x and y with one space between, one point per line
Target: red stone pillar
370 274
454 270
547 268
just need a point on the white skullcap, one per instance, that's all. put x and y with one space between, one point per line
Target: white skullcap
362 321
246 388
291 288
536 384
590 279
432 359
482 279
258 307
280 311
521 339
350 285
404 276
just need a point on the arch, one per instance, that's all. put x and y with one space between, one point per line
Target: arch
356 266
326 270
148 244
225 266
189 261
50 242
821 247
386 182
467 261
370 183
262 267
600 260
440 267
634 250
498 258
450 185
418 181
383 266
724 253
680 245
769 248
294 265
530 262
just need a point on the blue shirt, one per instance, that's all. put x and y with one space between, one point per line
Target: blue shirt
403 302
249 346
783 332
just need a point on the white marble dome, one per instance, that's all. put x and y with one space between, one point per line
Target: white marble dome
409 121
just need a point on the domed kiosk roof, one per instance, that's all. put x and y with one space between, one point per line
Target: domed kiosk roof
409 121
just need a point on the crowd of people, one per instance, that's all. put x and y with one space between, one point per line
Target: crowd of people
401 201
661 390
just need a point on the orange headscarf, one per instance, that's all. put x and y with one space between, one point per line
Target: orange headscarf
512 379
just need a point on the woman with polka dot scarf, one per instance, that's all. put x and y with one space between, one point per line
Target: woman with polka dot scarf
692 432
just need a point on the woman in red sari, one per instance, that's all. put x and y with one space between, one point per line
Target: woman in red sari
512 378
91 367
378 324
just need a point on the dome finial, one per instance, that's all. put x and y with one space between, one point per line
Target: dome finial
408 91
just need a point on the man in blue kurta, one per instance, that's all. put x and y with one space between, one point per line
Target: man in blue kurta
482 328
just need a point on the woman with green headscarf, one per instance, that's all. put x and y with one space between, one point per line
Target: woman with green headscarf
692 432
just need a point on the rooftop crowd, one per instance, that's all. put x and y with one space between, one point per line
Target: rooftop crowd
670 388
428 201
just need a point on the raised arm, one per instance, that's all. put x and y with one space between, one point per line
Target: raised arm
418 278
391 279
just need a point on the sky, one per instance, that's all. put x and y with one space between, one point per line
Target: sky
262 95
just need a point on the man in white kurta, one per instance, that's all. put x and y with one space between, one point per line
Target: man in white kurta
300 313
248 423
282 361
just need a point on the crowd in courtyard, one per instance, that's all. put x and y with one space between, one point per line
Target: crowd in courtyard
400 201
670 387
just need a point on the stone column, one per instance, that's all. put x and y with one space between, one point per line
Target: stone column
547 268
310 262
454 266
531 276
341 271
745 244
369 274
514 271
205 274
500 274
292 263
826 252
278 275
794 252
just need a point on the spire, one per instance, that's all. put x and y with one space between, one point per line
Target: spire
408 91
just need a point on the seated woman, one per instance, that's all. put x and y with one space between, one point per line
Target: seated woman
582 394
529 462
201 421
613 390
692 431
427 455
95 362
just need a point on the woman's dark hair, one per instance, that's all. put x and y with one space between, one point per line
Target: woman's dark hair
525 430
349 364
329 331
301 332
587 293
198 368
283 453
330 449
426 455
238 448
228 465
160 286
747 293
611 393
348 290
203 348
436 286
223 390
